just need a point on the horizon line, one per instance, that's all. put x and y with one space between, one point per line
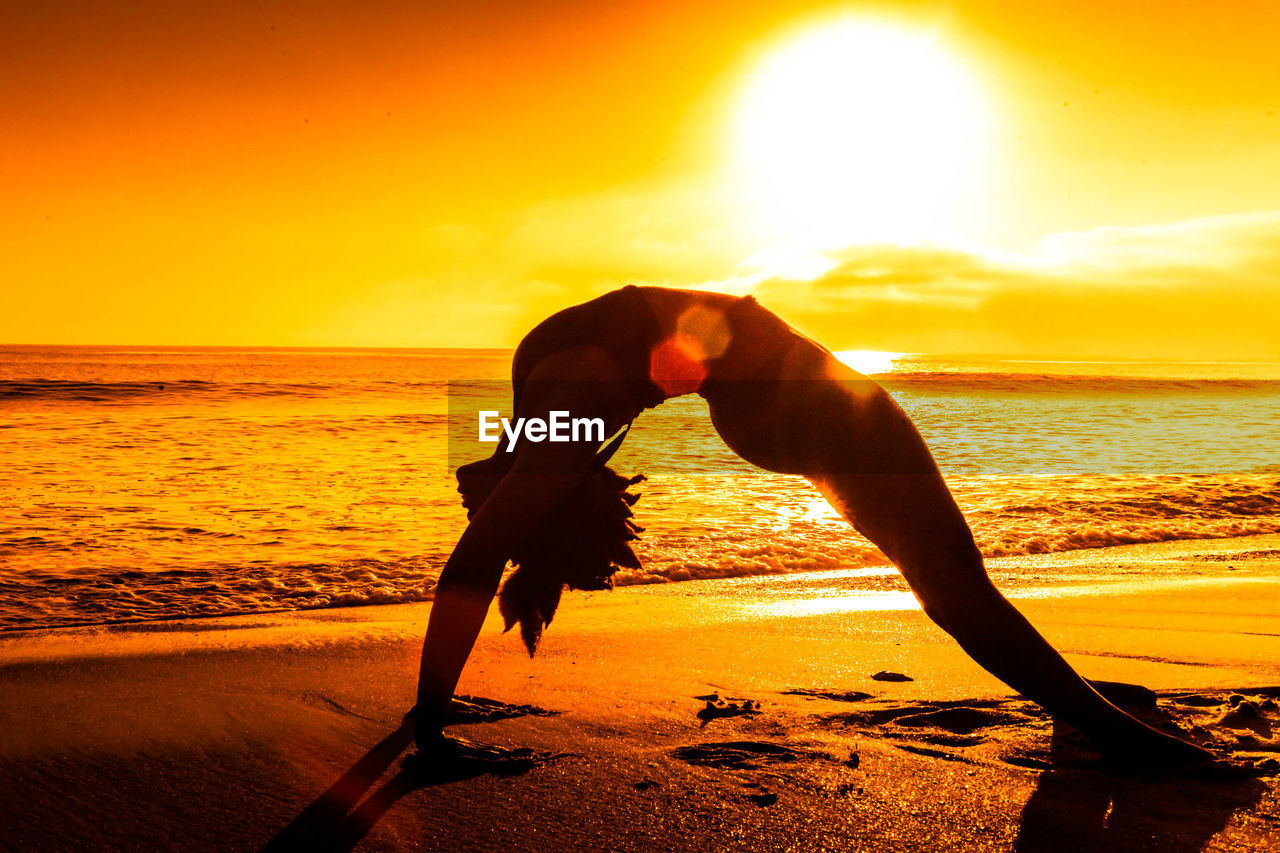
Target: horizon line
1013 357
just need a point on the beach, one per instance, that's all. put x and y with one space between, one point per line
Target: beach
769 303
736 714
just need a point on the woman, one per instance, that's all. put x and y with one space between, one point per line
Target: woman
783 403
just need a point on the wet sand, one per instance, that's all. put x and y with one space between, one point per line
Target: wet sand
709 715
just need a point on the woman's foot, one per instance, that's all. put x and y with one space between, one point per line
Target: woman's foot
1144 748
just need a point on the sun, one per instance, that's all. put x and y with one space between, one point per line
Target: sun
856 131
869 361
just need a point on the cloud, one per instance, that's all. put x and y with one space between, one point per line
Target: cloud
1202 289
1210 241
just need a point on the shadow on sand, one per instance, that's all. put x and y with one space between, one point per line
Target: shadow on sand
1075 809
340 817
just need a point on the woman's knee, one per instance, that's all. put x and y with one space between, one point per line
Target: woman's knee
955 591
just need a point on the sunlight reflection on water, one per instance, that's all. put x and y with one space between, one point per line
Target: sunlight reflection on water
154 483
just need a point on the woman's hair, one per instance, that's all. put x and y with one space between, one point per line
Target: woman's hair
580 544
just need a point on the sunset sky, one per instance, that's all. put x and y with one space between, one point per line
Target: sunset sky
1068 178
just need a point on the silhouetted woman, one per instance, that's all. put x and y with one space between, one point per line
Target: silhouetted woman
780 401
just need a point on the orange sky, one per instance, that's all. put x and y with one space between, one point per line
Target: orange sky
408 174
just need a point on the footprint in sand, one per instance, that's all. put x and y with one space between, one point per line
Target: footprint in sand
957 716
921 727
744 754
748 760
752 754
955 726
833 695
1248 715
961 720
717 708
474 709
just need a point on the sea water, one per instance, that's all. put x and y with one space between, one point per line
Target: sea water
150 482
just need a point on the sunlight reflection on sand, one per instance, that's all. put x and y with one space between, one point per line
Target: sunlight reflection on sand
879 600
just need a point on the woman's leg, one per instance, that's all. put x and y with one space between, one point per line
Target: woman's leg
879 474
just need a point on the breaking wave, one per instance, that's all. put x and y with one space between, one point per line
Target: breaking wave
1034 516
144 484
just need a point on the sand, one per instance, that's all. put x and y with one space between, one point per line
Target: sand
708 715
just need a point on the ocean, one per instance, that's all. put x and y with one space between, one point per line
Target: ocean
151 482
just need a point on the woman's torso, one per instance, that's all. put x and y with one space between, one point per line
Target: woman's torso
721 336
768 387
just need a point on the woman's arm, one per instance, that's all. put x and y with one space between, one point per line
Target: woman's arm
470 579
582 381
